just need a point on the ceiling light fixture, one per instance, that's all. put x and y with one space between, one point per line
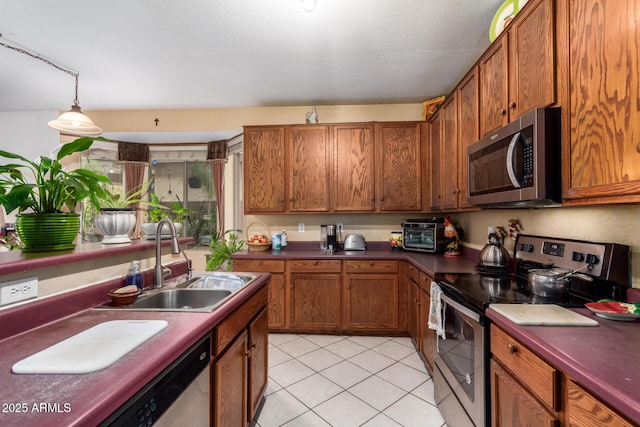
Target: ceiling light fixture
74 121
309 5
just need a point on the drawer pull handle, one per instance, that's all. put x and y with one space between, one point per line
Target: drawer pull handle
512 349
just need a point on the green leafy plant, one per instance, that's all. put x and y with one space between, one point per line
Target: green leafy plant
221 250
43 186
114 200
179 212
157 211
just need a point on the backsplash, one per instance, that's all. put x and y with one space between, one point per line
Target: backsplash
616 224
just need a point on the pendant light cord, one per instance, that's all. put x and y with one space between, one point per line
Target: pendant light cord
46 61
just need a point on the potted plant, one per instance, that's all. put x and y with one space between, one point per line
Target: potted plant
45 196
116 218
158 212
221 250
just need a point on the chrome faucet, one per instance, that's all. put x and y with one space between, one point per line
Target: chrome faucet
158 274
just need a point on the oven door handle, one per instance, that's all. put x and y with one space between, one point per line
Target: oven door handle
459 307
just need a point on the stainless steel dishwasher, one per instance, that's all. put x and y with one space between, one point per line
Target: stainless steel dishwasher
179 395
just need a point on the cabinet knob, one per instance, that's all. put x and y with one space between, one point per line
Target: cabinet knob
512 348
512 105
502 112
638 147
371 263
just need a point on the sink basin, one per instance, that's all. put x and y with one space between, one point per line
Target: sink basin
218 280
183 300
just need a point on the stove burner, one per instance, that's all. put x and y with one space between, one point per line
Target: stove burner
492 271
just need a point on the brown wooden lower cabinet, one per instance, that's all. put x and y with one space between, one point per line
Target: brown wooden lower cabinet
230 385
513 405
239 363
316 301
527 391
276 285
586 410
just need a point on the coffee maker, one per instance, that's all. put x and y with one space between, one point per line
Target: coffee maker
332 238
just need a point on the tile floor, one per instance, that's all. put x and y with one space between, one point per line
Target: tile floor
344 381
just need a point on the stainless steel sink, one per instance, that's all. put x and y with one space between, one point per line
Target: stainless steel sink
183 299
200 294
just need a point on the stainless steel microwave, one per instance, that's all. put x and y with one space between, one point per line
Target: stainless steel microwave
519 165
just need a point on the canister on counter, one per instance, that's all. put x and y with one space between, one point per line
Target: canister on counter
276 241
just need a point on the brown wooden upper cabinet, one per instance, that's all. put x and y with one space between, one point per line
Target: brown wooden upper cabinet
355 171
517 72
355 167
398 161
308 149
263 159
603 164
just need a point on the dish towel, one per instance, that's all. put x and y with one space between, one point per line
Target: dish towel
436 314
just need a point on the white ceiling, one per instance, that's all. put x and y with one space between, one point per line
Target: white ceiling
159 54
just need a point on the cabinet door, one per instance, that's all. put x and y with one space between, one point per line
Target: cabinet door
468 131
258 349
316 301
230 385
449 154
308 169
263 159
512 405
371 301
414 314
604 42
276 286
398 159
494 87
427 335
435 144
532 59
585 410
353 187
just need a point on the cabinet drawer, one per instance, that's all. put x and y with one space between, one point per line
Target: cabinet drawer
413 273
540 377
371 266
314 265
237 321
584 409
425 283
261 265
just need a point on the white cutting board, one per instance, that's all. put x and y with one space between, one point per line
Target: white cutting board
91 350
542 314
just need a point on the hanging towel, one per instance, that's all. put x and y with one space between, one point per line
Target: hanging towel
436 314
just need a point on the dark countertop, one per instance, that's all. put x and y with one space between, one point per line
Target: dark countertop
603 359
87 399
17 261
427 262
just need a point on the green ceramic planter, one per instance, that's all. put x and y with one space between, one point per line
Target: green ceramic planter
47 232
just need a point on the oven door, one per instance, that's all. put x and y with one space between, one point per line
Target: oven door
460 360
419 239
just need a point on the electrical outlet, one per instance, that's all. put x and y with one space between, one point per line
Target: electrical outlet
18 290
339 227
301 227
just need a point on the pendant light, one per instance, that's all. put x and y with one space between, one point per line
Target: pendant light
74 121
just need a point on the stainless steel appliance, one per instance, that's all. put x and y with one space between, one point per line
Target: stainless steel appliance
355 242
179 395
519 165
332 238
424 235
461 373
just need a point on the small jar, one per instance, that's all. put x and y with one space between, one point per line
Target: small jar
395 240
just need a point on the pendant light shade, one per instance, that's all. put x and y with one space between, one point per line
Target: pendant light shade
75 122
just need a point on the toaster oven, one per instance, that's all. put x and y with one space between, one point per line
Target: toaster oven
424 235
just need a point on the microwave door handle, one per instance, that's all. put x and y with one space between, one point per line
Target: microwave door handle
512 173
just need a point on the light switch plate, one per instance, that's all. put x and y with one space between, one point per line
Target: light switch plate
18 290
301 227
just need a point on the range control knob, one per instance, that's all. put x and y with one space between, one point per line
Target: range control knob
577 256
592 259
